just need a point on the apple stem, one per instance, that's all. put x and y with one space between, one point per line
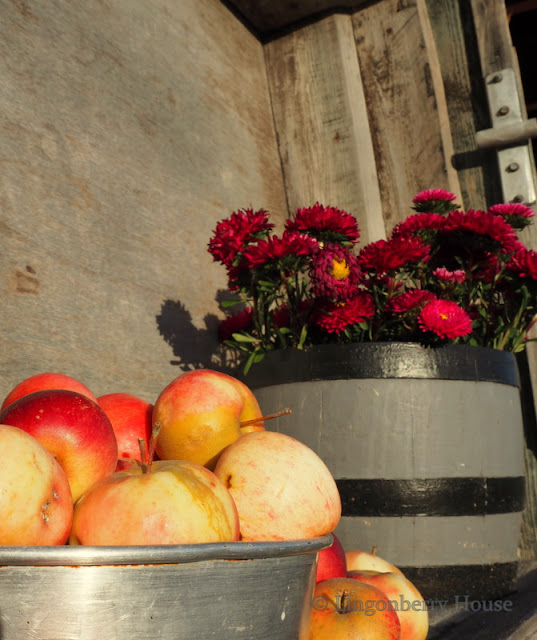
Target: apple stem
152 444
374 550
147 456
143 454
283 412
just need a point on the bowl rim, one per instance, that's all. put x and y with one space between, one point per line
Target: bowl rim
75 556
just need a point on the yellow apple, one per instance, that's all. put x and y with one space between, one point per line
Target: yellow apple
166 502
345 609
407 600
200 414
282 489
358 560
35 498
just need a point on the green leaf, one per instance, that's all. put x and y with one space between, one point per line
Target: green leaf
240 337
230 303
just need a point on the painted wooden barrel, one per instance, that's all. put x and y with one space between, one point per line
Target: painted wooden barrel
427 448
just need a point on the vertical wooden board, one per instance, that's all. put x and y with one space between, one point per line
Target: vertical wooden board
126 132
405 101
496 52
321 122
465 98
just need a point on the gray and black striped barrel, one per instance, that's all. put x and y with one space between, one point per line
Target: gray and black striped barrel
427 447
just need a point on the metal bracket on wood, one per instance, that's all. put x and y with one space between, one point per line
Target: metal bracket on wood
510 135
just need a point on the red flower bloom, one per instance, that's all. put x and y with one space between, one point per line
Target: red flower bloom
274 249
433 194
450 276
419 222
436 200
524 263
516 214
234 323
232 235
409 300
334 317
446 319
334 272
325 223
483 223
385 255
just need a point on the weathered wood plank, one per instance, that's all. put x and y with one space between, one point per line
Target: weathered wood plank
322 124
496 52
465 98
126 132
405 101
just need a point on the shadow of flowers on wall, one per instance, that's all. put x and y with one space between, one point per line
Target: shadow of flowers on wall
193 347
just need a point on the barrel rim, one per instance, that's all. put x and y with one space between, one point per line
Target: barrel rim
384 360
158 554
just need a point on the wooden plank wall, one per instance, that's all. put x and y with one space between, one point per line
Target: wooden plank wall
127 130
360 113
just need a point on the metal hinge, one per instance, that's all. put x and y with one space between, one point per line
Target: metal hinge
510 135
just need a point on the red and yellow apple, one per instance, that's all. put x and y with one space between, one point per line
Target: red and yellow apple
200 414
43 381
172 502
36 506
408 601
345 609
359 560
73 428
131 420
282 489
331 562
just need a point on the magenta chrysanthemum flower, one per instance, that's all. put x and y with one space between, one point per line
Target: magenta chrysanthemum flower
232 235
516 214
485 224
275 248
384 255
524 263
325 223
410 300
458 275
334 272
236 322
337 316
446 319
433 194
434 200
419 222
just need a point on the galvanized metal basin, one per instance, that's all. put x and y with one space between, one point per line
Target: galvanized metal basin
258 591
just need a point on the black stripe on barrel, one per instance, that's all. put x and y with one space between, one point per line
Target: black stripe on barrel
431 496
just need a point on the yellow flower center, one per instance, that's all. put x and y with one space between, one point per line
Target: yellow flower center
340 270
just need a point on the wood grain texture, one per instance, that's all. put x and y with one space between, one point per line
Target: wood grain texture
465 99
496 52
405 100
126 133
322 124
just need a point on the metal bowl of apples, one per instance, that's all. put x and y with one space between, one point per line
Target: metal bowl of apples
254 590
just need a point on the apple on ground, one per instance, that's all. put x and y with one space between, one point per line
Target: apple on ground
43 381
201 413
411 607
358 560
331 562
346 609
73 428
35 498
131 420
282 489
162 502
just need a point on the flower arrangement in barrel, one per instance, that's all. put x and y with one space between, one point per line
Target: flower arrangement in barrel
443 276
